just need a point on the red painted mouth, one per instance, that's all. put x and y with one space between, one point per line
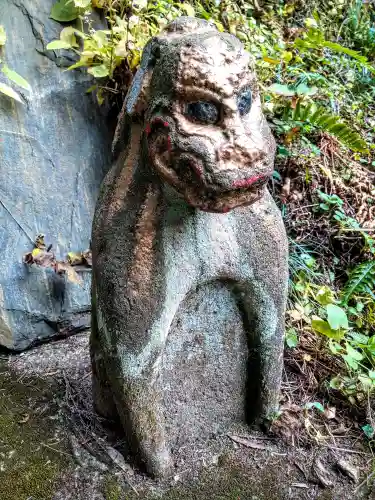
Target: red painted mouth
247 182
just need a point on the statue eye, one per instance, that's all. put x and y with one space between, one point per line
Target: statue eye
244 101
203 111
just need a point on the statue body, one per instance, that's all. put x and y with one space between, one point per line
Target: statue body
184 207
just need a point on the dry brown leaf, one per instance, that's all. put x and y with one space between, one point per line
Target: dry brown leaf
248 443
75 259
322 474
71 274
87 256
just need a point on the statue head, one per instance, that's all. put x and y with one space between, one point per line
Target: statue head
197 98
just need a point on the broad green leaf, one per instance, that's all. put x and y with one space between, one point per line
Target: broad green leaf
3 36
58 44
100 37
366 382
64 11
291 338
278 88
5 89
315 404
321 326
15 77
68 35
337 317
99 71
353 353
303 89
350 361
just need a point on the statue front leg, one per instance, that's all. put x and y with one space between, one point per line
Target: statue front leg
264 319
133 378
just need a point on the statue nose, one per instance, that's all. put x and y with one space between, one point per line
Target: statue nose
237 155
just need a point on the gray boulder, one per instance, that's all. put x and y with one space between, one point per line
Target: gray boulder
54 150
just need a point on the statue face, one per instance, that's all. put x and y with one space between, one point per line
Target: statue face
210 140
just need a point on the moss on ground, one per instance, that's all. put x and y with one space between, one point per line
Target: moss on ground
229 481
112 489
31 459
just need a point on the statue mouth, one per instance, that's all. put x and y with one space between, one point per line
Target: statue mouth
254 179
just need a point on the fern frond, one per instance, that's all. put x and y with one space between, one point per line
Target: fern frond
329 123
361 280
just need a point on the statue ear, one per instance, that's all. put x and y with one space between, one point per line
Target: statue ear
136 99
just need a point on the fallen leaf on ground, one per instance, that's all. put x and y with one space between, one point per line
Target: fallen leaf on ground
248 443
323 475
348 469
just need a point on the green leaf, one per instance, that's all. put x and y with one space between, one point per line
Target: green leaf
68 35
78 64
321 326
337 317
353 353
324 296
279 89
350 361
91 89
83 4
189 9
5 89
368 430
64 11
3 36
291 338
283 151
335 383
15 77
99 71
303 89
334 347
58 44
361 278
315 404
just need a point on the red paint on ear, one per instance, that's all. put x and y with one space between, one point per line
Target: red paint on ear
247 182
225 210
147 129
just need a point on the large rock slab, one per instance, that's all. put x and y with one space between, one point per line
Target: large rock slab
54 150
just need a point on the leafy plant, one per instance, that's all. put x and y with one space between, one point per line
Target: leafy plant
361 281
10 74
327 122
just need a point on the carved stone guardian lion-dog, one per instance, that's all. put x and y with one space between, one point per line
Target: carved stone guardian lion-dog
189 251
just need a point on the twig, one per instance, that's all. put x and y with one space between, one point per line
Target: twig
346 450
57 451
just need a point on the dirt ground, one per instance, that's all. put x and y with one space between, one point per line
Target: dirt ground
53 446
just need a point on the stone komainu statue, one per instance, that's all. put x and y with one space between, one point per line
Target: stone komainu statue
189 251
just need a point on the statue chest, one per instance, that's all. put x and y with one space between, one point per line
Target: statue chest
205 246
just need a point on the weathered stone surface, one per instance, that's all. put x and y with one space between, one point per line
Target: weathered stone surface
189 251
54 150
